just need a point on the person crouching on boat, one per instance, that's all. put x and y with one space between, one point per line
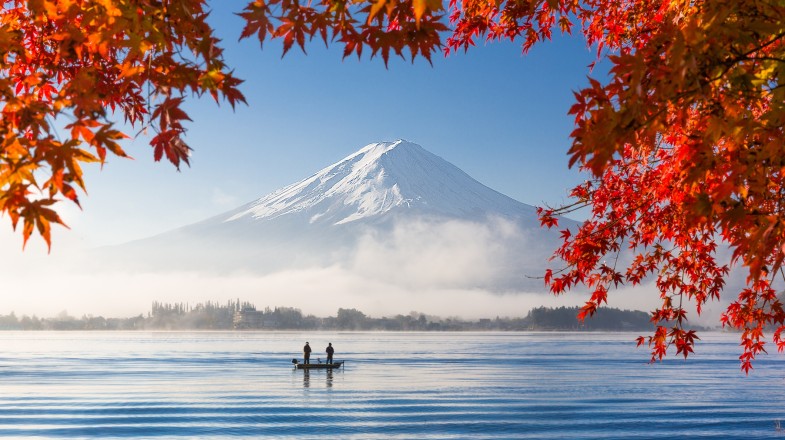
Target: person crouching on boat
330 351
307 354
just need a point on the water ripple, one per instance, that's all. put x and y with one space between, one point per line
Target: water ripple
420 385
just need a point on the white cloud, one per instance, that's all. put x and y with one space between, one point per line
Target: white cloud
421 254
442 269
319 291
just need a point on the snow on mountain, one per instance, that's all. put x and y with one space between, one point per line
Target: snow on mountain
380 178
392 211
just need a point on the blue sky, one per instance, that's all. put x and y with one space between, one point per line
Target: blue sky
499 115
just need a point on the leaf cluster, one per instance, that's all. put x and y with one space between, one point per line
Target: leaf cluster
82 61
685 146
385 27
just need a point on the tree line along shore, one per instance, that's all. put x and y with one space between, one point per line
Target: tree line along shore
236 315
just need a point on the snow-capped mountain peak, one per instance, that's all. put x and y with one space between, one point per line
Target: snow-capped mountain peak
379 178
391 212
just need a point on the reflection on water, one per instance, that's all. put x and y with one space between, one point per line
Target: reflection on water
328 374
395 385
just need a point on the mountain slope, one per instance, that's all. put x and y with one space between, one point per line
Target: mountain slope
381 178
392 211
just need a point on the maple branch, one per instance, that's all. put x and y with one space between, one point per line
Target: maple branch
758 58
779 86
761 47
566 209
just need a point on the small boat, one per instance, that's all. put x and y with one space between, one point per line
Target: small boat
316 366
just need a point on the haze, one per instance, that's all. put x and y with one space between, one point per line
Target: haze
499 116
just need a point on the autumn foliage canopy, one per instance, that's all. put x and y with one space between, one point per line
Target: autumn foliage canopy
85 64
683 141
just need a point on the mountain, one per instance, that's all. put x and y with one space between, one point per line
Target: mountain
392 210
380 179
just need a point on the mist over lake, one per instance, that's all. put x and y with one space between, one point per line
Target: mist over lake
393 385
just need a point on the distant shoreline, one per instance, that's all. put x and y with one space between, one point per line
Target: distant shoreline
142 330
237 316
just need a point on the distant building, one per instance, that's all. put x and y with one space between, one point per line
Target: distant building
248 317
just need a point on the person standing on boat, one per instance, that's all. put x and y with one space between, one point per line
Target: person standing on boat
307 354
330 351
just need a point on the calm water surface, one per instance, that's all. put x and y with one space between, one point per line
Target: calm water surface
394 385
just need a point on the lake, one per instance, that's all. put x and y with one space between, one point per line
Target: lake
393 385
